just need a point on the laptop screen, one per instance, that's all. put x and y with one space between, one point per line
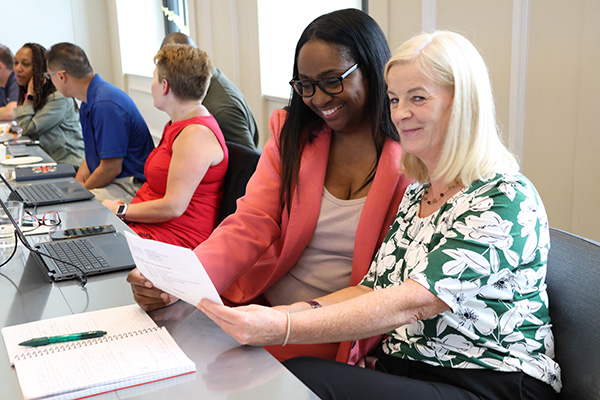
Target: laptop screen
8 191
81 277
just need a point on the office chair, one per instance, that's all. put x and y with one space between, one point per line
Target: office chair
242 164
573 278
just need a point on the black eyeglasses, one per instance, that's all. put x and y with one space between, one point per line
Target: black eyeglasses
332 85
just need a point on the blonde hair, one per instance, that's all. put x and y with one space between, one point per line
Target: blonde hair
473 149
187 69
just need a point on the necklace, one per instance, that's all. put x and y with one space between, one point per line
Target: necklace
454 185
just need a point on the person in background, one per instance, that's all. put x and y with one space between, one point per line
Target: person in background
458 284
326 188
225 102
44 113
179 202
9 90
117 140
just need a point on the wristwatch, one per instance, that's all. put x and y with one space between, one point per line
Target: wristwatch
29 96
121 210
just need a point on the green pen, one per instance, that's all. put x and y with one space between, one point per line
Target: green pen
43 341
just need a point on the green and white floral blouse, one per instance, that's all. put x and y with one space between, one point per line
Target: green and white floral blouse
484 254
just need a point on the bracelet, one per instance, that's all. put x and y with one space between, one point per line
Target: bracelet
314 304
288 328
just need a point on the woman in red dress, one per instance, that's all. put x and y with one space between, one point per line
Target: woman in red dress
180 200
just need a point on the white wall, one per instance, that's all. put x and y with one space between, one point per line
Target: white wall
47 22
138 88
562 141
543 57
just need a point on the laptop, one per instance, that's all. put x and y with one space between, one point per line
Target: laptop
91 255
45 193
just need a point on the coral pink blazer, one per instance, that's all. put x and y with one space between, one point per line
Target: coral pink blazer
258 244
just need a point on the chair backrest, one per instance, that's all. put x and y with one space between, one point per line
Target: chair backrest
242 164
573 281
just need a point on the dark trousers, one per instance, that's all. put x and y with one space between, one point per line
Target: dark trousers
406 379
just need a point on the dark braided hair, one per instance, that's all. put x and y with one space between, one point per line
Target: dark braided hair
362 38
43 87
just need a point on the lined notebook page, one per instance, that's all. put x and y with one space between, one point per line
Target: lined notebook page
103 367
115 321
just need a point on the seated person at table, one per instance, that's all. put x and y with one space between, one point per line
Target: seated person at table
117 140
179 203
44 113
225 102
326 188
9 91
458 284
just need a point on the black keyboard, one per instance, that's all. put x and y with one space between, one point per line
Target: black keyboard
40 192
80 252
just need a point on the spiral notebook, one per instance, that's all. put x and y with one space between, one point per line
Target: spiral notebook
134 351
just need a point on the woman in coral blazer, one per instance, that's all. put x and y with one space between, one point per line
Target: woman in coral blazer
260 231
338 112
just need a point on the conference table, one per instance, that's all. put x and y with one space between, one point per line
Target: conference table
224 369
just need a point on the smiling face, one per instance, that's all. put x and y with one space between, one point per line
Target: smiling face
344 111
421 110
23 66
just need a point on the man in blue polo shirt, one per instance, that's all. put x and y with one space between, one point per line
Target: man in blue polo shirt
9 90
116 137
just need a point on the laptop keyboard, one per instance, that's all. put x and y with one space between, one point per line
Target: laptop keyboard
80 252
40 192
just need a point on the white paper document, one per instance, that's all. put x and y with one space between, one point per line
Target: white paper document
173 269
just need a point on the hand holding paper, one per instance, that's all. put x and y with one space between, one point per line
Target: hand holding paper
173 269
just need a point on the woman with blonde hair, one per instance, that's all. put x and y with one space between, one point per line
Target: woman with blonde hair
458 285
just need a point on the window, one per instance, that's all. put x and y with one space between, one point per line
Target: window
141 30
176 16
280 24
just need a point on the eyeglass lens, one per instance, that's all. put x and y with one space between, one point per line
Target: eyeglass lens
332 85
329 86
51 218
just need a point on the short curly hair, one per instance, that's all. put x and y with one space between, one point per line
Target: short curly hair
187 69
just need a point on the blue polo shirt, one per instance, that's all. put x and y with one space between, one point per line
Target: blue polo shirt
112 126
10 92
